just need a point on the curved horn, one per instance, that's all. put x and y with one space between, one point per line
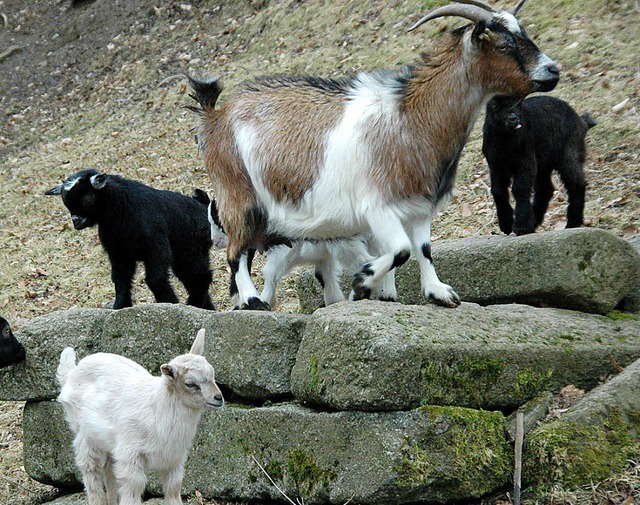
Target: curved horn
470 12
479 3
520 4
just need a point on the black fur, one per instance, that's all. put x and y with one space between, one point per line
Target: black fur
426 251
360 291
400 259
524 142
11 351
135 223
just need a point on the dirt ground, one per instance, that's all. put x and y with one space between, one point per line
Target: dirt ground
99 83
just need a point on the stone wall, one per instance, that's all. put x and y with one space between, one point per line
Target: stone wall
371 402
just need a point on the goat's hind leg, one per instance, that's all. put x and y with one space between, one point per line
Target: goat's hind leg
244 295
573 179
92 466
158 279
131 480
280 260
327 273
432 288
195 274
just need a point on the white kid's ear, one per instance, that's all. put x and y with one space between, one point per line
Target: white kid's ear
168 370
198 343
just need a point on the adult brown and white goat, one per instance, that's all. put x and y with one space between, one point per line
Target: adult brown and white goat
311 158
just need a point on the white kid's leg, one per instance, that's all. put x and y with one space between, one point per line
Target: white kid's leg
280 261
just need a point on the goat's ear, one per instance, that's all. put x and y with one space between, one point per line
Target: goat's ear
56 190
98 181
481 34
168 370
198 343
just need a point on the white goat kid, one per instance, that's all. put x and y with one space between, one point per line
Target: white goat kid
330 258
126 421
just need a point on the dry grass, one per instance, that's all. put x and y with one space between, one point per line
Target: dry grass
98 85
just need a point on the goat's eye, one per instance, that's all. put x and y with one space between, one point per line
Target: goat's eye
192 385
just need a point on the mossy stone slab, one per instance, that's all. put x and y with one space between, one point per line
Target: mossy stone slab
387 356
432 454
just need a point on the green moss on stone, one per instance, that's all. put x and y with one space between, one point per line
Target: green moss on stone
576 454
312 368
530 382
466 382
274 469
460 449
306 473
618 315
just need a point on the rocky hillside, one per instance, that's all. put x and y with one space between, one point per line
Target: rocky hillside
98 83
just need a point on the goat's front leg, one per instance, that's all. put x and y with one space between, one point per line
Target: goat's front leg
171 481
244 295
524 221
434 290
122 272
500 192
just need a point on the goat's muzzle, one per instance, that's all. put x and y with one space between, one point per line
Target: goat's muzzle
217 402
80 222
548 78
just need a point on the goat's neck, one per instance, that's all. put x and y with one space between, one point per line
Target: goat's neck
174 412
444 97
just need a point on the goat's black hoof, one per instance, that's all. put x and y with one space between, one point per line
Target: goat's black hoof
386 299
254 303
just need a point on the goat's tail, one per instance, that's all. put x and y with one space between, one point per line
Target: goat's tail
201 196
588 119
66 366
205 92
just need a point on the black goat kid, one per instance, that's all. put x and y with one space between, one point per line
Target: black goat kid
524 142
11 351
162 229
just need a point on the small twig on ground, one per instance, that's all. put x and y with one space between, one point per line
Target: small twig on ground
11 481
618 368
9 52
273 482
518 458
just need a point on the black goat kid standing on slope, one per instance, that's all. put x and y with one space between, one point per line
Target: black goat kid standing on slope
163 229
524 142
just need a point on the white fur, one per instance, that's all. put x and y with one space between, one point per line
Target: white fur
509 20
330 258
127 422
